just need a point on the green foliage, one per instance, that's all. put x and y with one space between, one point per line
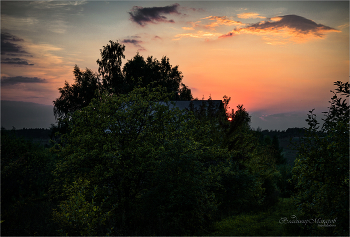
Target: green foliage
321 171
80 213
178 195
239 191
214 119
284 183
78 95
260 223
25 179
238 129
247 180
277 151
141 72
134 148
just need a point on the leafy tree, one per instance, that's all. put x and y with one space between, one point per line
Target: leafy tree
247 180
139 71
78 95
110 67
135 150
215 118
239 126
321 170
115 80
255 158
184 93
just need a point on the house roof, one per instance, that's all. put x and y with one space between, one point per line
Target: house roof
196 104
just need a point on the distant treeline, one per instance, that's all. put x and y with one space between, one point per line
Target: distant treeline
44 133
35 134
290 132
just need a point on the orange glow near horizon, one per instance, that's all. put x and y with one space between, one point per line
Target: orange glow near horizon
258 54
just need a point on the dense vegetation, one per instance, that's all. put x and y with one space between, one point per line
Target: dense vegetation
321 171
128 163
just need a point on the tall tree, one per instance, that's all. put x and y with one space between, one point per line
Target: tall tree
139 71
110 67
78 95
115 80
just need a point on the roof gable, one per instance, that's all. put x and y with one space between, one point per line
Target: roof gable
197 104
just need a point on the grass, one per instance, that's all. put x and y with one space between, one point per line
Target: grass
263 223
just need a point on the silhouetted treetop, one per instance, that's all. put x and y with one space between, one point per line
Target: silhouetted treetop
110 67
139 71
114 79
77 95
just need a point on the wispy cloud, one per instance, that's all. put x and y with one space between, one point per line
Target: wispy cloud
192 9
285 29
40 16
143 16
222 20
198 34
40 61
248 15
346 25
9 81
18 22
193 25
57 4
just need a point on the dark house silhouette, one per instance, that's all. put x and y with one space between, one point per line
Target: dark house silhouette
211 108
198 104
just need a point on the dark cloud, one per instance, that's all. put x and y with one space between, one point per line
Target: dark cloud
9 44
132 41
295 22
284 29
194 9
9 37
16 61
229 34
191 9
9 81
142 16
135 42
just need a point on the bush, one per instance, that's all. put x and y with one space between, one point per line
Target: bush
321 171
284 182
25 180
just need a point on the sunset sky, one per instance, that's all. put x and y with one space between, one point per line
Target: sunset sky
279 59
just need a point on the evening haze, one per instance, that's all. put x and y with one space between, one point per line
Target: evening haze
278 59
